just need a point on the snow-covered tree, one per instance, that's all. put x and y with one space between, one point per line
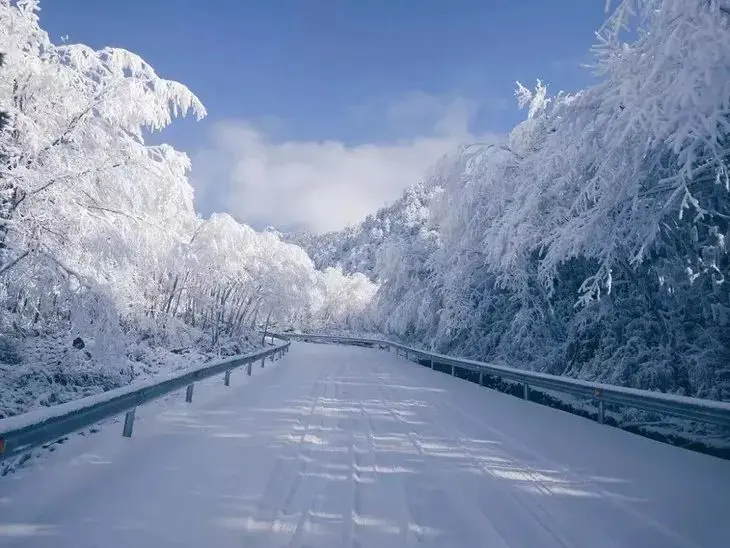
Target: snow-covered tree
99 240
592 238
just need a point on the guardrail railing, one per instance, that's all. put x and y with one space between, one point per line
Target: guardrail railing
21 433
695 409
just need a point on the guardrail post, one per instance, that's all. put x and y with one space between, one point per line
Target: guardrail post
526 391
453 370
601 412
481 378
430 363
227 378
189 393
263 360
248 370
128 423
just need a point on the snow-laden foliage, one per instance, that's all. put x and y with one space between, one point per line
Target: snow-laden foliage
100 245
647 144
593 241
355 248
347 301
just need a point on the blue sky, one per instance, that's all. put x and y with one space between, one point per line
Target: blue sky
304 96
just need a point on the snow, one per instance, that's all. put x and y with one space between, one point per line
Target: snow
341 446
511 372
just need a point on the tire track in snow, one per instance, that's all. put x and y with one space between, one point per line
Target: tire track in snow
534 476
322 488
546 518
364 476
352 489
285 480
408 531
347 495
459 508
538 514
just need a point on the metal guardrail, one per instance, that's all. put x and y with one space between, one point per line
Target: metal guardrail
20 433
695 409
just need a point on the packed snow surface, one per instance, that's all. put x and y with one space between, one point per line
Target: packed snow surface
351 447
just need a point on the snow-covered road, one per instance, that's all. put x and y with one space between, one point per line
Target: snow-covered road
349 447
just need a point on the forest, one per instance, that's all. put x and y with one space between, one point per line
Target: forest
590 242
107 272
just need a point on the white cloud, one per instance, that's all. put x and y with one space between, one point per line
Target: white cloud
321 185
445 117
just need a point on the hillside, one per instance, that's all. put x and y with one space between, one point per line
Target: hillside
355 248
